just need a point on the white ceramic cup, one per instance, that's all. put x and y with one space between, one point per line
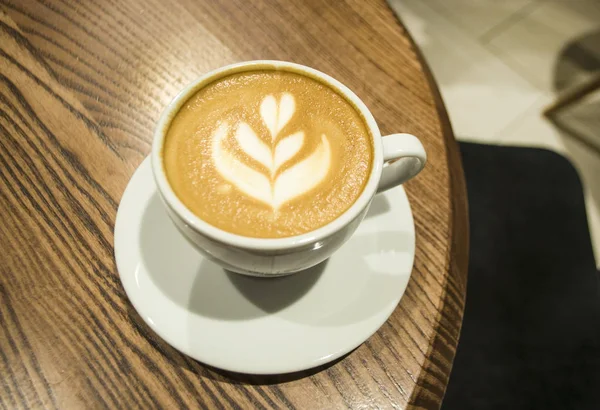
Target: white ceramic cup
397 158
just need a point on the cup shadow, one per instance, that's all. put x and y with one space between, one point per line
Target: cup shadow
204 287
379 205
216 292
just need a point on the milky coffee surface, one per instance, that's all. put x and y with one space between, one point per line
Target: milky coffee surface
267 154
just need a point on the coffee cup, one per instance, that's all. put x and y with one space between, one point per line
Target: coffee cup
394 159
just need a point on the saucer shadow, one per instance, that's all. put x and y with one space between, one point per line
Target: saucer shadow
203 287
268 379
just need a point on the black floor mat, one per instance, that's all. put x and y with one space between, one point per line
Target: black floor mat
530 336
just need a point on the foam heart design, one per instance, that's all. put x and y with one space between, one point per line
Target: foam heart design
274 189
277 114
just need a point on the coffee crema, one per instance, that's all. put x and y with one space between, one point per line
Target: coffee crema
267 153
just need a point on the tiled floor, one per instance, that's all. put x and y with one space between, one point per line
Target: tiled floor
500 62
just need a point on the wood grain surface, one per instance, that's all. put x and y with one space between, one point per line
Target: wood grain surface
82 83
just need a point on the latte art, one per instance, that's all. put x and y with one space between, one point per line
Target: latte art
274 188
267 153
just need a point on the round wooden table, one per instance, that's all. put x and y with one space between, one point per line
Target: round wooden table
82 84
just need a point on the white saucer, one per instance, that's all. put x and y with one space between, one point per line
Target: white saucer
255 325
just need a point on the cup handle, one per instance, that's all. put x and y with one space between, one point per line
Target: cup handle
403 158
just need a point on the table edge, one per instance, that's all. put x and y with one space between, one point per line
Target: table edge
458 256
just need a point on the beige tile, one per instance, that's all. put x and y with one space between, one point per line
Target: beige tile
533 130
536 46
496 92
478 17
481 93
